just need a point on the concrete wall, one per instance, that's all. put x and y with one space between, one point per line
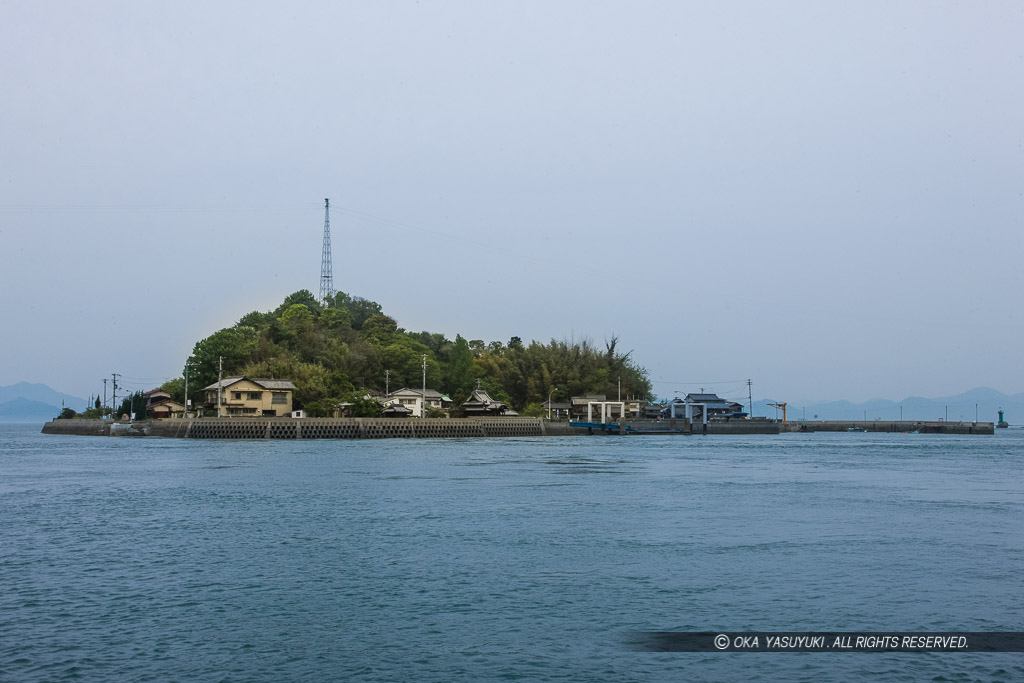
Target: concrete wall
411 428
316 428
78 427
891 427
346 428
681 426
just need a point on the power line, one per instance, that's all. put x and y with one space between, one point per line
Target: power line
700 384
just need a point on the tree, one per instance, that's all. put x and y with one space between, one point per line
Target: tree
460 365
363 406
67 414
329 349
132 404
304 297
362 310
336 319
176 388
380 328
234 344
534 410
324 407
255 319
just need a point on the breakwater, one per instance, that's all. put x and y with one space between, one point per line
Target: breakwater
475 427
385 428
891 427
680 426
314 428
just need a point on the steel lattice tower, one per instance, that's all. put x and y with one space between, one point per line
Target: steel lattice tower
326 274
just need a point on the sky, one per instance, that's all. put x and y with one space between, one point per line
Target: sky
824 198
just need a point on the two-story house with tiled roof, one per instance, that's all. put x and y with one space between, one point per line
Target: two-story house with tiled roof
249 397
417 400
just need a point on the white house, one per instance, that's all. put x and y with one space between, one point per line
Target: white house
413 399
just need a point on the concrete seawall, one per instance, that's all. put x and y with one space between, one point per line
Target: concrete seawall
385 428
315 428
894 427
682 427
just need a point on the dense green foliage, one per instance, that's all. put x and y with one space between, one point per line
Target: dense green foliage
134 403
339 350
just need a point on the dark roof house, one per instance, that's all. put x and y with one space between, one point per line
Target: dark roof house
480 403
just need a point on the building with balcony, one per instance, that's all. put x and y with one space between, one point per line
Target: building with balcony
249 397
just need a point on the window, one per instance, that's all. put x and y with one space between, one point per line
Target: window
238 395
279 397
241 411
254 396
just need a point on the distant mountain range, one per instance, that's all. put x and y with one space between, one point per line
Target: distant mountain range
986 401
24 402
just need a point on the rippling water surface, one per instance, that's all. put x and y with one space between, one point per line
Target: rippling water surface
515 559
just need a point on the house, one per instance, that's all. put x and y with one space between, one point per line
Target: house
245 396
397 410
578 405
159 405
716 406
652 411
555 409
481 404
635 408
417 401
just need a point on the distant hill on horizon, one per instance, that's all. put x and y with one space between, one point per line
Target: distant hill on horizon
983 401
26 402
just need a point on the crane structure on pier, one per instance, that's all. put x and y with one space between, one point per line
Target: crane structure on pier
782 407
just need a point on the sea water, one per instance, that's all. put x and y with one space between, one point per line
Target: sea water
147 559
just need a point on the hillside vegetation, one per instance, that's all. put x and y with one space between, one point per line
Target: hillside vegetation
340 350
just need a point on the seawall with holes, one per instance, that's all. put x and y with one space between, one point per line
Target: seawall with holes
317 428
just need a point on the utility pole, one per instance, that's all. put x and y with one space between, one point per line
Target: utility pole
750 397
423 401
387 384
113 400
220 382
184 413
620 388
104 394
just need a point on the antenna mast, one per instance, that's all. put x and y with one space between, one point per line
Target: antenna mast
326 274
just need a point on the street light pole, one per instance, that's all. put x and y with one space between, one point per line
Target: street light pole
423 402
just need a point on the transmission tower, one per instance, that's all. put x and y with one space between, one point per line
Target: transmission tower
326 274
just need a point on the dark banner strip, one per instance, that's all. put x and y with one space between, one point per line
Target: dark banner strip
825 641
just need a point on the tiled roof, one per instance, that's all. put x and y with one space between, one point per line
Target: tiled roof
269 384
406 391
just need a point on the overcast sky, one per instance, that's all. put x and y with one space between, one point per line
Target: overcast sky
826 198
